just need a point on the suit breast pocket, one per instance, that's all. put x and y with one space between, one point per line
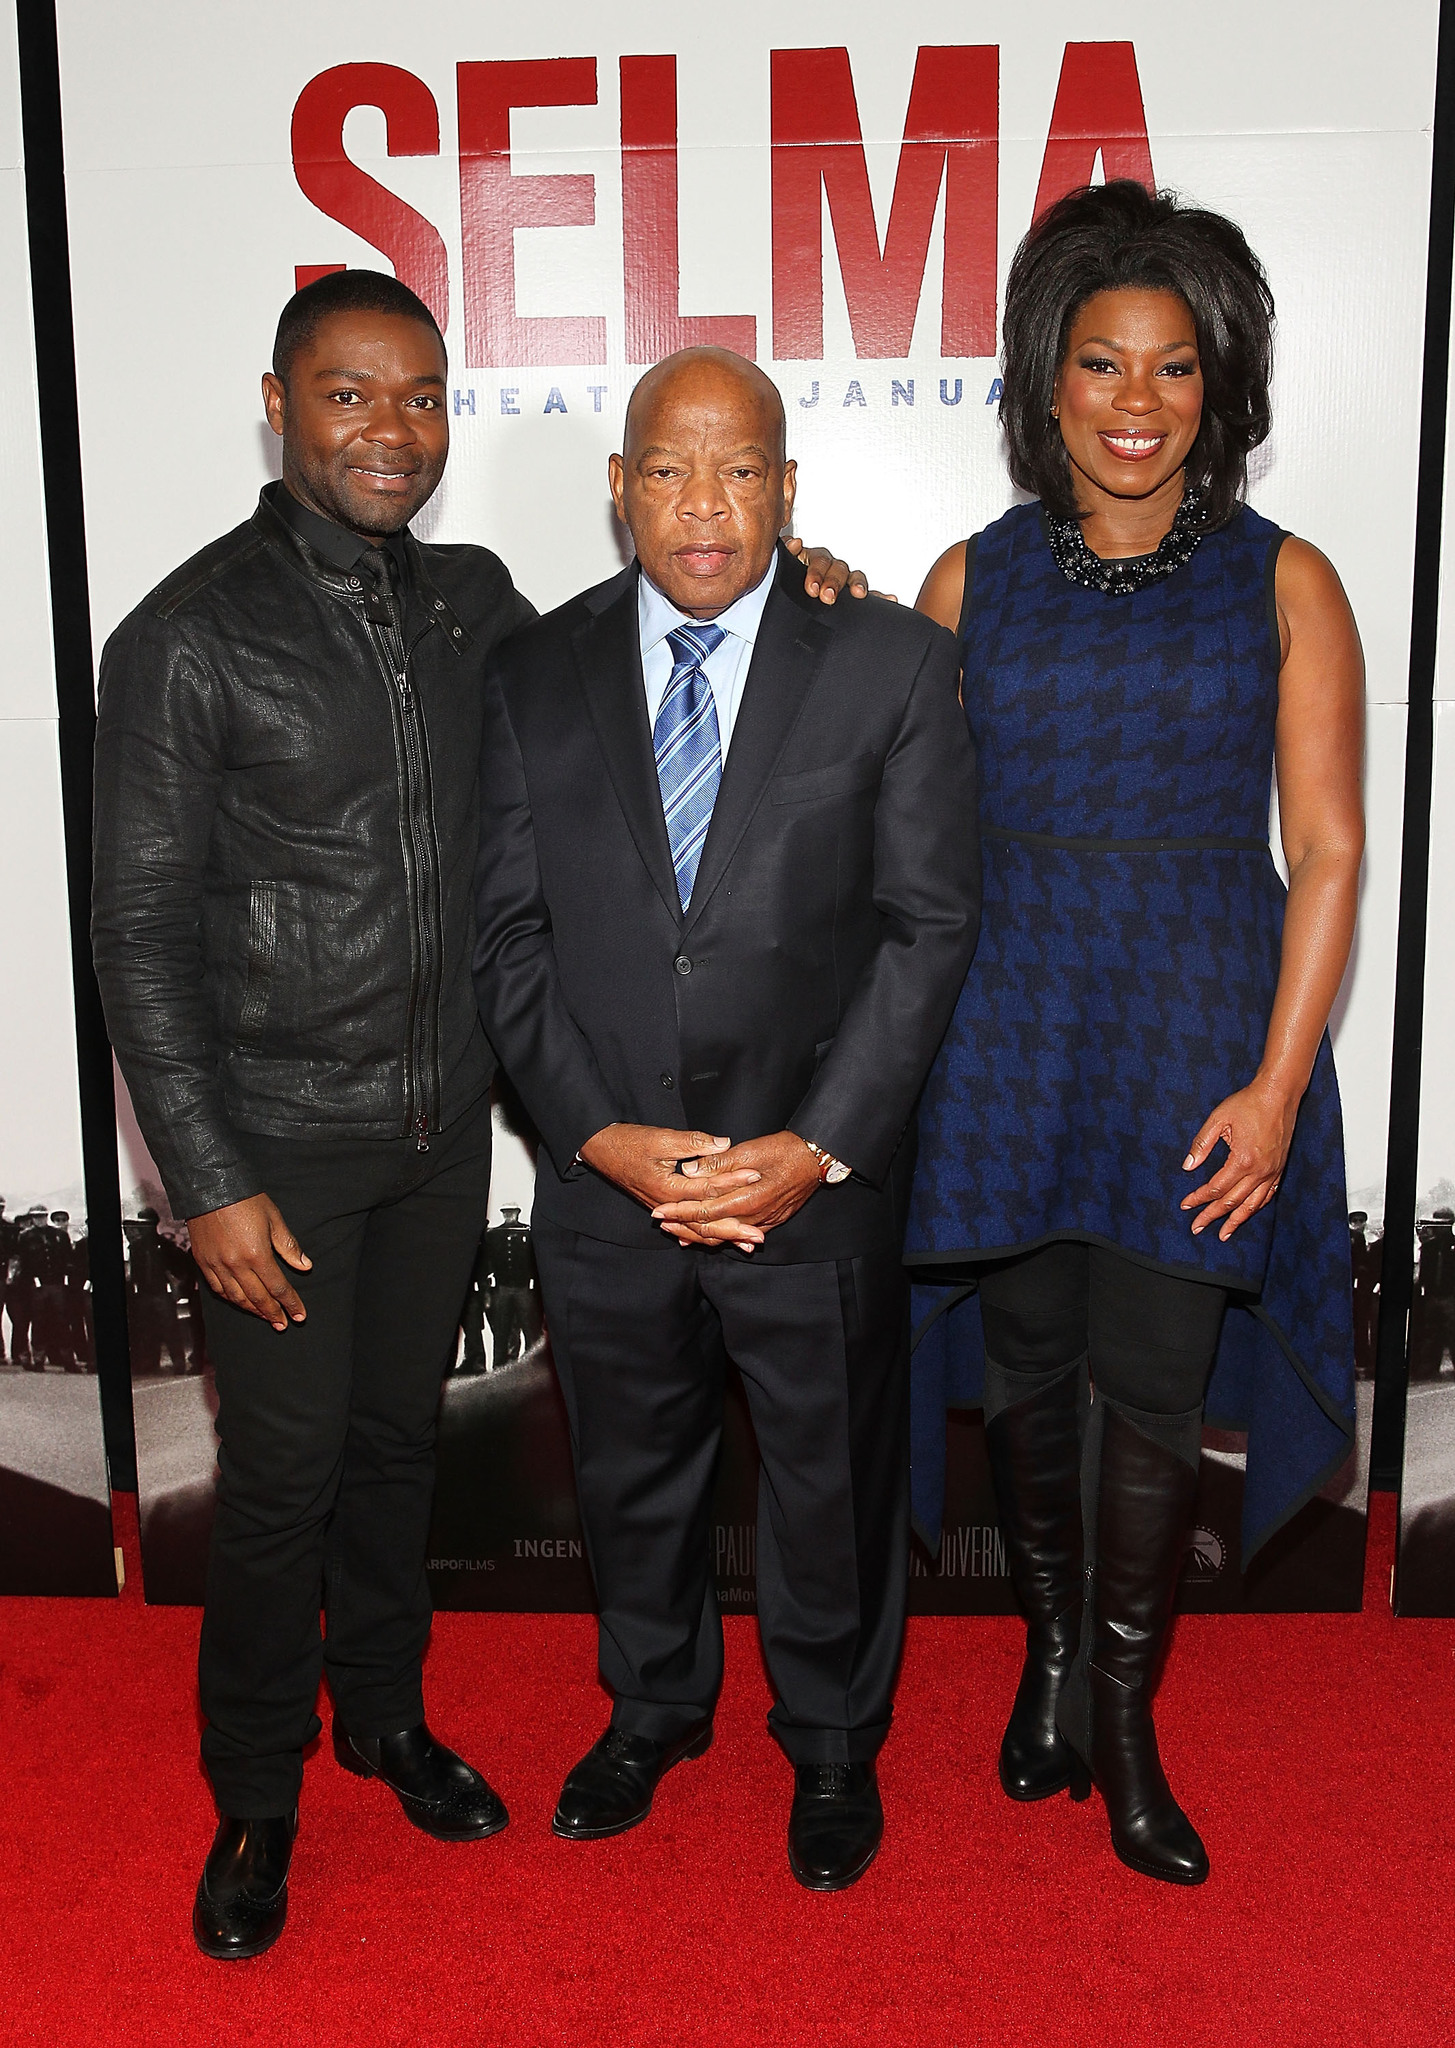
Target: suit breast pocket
814 785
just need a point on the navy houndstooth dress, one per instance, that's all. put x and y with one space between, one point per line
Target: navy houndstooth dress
1122 986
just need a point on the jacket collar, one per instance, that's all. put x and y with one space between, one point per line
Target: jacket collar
340 548
792 641
608 653
341 582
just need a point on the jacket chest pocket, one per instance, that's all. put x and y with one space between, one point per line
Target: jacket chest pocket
262 958
813 785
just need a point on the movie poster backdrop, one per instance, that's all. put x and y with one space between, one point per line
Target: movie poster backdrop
55 1502
577 191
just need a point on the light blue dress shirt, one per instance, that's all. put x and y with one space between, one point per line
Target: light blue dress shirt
726 668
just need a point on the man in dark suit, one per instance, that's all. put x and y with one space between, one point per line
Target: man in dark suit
728 883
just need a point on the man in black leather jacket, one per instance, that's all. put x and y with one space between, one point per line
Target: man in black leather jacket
285 823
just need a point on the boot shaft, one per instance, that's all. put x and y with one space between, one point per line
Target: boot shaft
1034 1448
1144 1506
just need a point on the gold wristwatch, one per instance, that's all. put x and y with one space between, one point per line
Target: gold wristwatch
830 1170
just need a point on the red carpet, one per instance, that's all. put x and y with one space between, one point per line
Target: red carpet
1315 1753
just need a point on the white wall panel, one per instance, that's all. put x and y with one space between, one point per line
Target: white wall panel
187 221
54 1500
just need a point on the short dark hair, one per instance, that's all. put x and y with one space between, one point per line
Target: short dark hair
1114 237
343 291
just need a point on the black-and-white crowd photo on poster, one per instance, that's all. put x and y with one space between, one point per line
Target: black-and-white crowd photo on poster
507 1534
200 196
55 1503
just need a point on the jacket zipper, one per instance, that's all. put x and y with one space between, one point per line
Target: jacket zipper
421 1070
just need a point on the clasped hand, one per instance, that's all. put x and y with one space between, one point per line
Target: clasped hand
1256 1125
754 1186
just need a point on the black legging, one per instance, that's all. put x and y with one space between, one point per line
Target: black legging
1149 1338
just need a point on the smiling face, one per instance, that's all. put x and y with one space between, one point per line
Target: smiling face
702 483
363 421
1129 396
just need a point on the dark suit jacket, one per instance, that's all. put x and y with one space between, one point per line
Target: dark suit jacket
832 921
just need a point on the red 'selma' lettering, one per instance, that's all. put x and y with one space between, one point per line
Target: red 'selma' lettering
951 134
494 202
350 196
951 142
654 324
1098 107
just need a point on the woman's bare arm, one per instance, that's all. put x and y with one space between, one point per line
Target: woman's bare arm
1318 752
943 590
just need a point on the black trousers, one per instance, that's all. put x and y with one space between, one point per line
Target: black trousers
823 1349
1149 1338
326 1465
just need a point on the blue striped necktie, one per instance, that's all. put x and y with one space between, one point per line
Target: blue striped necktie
688 750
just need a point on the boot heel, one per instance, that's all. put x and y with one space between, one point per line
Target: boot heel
1080 1780
345 1754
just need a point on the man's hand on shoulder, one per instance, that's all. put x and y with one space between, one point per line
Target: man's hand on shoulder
756 1186
234 1248
827 575
644 1160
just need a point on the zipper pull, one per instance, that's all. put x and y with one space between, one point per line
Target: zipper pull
421 1133
405 687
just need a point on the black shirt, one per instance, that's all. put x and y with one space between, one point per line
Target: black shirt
337 545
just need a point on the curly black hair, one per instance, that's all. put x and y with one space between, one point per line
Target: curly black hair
1113 237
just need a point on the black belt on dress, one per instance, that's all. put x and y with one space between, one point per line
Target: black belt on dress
1128 845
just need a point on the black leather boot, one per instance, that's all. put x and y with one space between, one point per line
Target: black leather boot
613 1786
438 1790
242 1898
1034 1447
835 1825
1143 1510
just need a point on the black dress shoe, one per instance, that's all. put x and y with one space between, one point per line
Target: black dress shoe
611 1789
437 1789
836 1825
242 1897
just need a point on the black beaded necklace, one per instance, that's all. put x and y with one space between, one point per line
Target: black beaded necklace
1129 572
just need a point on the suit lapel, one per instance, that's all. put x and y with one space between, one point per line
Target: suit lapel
609 655
787 654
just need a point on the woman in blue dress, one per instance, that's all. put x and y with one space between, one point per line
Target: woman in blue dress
1131 1160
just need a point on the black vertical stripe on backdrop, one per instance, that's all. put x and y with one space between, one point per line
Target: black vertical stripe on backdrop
60 437
1401 1187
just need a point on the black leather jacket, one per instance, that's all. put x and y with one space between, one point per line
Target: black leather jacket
284 840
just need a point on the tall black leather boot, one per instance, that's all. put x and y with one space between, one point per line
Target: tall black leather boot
1144 1505
1034 1446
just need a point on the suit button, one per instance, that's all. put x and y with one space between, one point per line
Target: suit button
682 964
667 1081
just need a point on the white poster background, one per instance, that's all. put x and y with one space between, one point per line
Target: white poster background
187 222
40 1124
50 1427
